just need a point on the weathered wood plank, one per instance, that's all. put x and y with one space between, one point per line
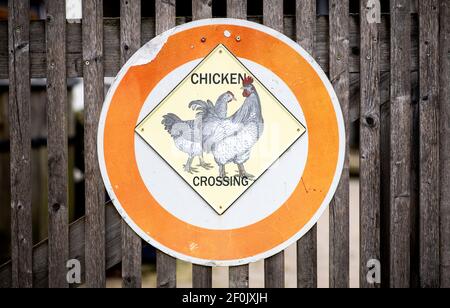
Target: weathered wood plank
130 41
58 181
370 135
166 266
339 207
112 42
444 142
201 275
201 9
274 274
238 275
237 9
400 141
307 245
77 251
20 143
166 271
273 14
429 143
274 266
93 100
165 15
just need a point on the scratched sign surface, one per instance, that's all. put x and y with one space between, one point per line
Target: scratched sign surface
221 142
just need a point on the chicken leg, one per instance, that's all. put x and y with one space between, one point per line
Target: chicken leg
222 172
188 167
204 164
243 173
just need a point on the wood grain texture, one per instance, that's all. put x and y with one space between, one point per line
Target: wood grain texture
201 9
165 15
166 266
237 9
274 266
273 14
92 32
274 274
130 42
444 142
307 245
238 275
166 270
77 251
370 134
112 45
58 181
400 144
201 275
429 143
339 206
20 143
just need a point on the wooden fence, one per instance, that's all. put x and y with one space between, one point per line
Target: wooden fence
393 78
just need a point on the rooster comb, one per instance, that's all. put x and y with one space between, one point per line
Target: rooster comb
248 81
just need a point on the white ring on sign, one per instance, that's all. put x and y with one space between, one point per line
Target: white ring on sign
139 57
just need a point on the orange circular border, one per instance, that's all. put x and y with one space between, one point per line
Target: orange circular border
222 245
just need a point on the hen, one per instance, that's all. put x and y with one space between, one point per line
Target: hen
230 140
187 135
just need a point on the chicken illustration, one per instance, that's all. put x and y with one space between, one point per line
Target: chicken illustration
230 140
187 135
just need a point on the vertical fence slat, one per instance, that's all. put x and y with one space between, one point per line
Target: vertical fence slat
237 9
201 9
20 139
429 142
400 165
307 245
274 276
166 266
201 275
238 275
58 228
444 141
93 74
339 207
130 41
370 134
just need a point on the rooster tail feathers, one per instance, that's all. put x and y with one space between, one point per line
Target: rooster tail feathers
169 120
204 108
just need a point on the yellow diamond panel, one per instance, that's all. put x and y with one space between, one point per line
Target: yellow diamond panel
195 145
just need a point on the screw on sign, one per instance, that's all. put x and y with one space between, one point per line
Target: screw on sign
221 142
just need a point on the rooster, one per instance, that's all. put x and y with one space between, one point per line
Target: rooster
187 135
230 140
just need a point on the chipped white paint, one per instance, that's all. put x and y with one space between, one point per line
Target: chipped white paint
227 33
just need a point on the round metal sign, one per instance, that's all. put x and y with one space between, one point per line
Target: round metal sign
221 142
